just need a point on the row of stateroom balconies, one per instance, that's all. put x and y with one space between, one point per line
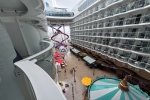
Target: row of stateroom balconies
100 9
131 57
137 46
118 35
112 23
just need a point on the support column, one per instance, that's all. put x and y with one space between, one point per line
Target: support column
65 33
53 32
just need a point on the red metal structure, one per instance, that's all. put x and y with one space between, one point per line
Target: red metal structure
56 34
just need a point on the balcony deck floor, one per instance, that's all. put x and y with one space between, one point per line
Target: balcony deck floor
82 70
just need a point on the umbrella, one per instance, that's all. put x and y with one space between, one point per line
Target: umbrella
86 81
106 88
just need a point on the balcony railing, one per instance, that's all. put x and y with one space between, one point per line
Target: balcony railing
128 21
145 35
147 66
133 61
104 51
124 8
122 58
141 64
59 14
39 86
126 46
114 44
119 23
109 24
130 34
110 53
141 49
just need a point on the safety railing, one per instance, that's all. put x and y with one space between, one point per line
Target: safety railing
144 35
122 58
104 51
147 66
59 14
117 34
39 86
133 61
128 21
130 34
141 64
130 6
110 53
126 46
114 44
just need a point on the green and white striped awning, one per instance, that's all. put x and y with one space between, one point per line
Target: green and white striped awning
89 59
105 88
75 50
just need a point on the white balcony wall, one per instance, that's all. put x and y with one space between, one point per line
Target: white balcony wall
9 86
32 38
42 34
14 32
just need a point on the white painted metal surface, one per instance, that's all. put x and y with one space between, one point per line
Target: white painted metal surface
44 87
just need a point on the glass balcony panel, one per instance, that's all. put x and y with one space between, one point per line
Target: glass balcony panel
147 2
146 19
120 57
114 35
107 34
99 41
141 3
134 5
147 35
116 11
115 45
108 2
119 23
109 53
132 61
118 34
103 5
137 48
147 67
114 55
141 35
109 24
101 25
141 64
123 46
145 50
99 49
130 35
112 12
61 12
123 8
130 21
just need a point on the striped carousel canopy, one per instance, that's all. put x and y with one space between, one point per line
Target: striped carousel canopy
106 88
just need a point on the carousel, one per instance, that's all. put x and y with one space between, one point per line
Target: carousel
112 88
